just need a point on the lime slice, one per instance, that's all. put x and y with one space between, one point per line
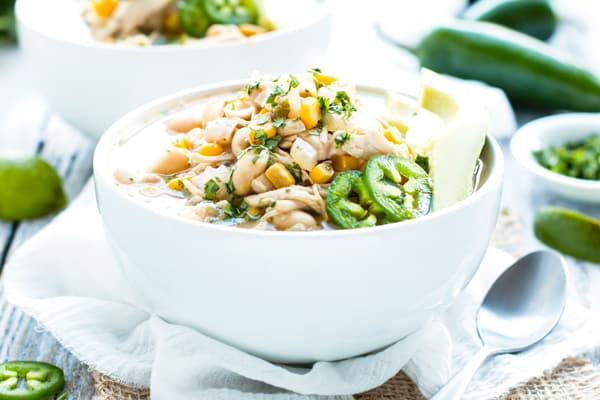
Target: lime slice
569 232
29 188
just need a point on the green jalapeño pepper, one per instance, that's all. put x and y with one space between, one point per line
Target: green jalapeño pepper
232 12
389 178
193 18
348 202
42 380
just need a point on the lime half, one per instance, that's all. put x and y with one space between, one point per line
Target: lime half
569 232
29 188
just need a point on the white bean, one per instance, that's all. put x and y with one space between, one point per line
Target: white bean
250 166
291 127
212 110
171 162
123 176
220 130
183 124
240 140
294 220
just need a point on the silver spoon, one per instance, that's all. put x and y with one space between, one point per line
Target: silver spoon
520 309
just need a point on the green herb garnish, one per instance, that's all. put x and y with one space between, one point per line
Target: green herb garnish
423 162
296 172
277 91
229 185
342 105
251 86
341 139
279 122
211 187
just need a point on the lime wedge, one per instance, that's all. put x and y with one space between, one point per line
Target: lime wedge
569 232
447 127
29 188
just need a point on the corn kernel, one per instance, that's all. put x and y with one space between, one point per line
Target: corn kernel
310 112
176 184
267 128
322 172
279 175
105 8
210 149
254 212
324 79
344 162
393 136
171 23
183 142
251 30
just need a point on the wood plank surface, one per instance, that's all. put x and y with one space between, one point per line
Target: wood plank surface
27 126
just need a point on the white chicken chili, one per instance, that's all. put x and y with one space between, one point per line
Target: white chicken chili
150 22
305 151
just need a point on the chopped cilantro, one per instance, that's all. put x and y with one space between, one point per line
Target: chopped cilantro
294 82
237 211
296 172
341 139
342 104
279 122
260 135
229 185
256 155
211 187
273 142
265 142
313 70
423 162
277 91
324 103
251 86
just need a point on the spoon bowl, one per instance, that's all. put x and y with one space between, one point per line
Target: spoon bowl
521 308
524 303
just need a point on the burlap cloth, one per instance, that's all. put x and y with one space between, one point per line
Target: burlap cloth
573 378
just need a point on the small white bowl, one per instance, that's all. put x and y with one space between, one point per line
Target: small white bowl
557 130
293 296
92 84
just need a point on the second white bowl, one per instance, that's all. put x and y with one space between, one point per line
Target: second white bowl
92 84
557 130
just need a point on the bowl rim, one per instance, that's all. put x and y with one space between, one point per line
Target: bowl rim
109 139
521 147
320 12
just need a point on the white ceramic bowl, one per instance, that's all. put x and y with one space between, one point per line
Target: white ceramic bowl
92 84
294 296
554 131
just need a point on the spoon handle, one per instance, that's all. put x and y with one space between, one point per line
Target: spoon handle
454 389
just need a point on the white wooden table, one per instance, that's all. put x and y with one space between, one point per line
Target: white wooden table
27 125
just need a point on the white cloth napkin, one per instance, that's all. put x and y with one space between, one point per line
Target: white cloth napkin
67 278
